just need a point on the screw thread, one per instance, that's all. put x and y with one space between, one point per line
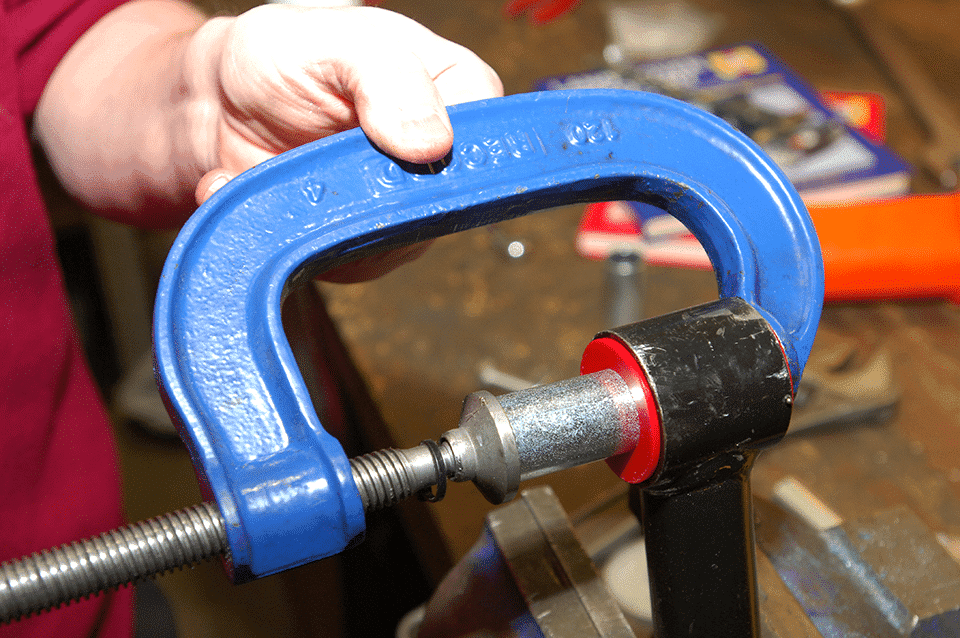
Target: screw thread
53 577
381 479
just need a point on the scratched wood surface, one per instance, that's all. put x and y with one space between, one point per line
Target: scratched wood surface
419 334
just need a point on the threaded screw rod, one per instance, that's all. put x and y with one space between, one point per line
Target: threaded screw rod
54 577
387 477
381 479
70 572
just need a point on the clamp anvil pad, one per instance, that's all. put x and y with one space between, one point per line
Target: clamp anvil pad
284 485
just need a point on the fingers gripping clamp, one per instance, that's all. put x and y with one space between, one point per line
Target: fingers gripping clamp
282 483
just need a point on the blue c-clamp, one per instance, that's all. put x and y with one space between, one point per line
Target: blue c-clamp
283 484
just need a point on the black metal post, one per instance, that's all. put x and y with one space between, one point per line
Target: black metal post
700 553
723 392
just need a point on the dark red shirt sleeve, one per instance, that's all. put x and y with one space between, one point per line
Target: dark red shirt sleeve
41 32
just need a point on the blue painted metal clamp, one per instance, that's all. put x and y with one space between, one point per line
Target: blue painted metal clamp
283 484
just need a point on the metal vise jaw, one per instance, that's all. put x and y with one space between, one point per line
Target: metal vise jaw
281 482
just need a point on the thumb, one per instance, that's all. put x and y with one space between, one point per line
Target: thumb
210 183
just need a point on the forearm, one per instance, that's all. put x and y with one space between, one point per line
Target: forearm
125 118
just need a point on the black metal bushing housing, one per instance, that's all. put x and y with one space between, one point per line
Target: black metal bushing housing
720 381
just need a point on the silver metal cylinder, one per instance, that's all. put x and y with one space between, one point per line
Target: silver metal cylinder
572 422
54 577
504 440
70 572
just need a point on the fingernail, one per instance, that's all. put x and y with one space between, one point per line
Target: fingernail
441 121
217 184
432 122
427 139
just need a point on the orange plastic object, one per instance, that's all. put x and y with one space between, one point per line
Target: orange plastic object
893 249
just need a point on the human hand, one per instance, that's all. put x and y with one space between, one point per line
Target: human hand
193 102
280 76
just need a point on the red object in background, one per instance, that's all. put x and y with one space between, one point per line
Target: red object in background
864 111
539 11
607 228
613 227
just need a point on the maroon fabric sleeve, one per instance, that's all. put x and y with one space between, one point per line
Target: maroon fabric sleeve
41 32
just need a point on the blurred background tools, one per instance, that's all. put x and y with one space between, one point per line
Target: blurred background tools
846 388
939 118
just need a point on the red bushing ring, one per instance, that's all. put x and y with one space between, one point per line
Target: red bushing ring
639 464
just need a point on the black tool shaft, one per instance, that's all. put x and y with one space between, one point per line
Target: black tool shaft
701 559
